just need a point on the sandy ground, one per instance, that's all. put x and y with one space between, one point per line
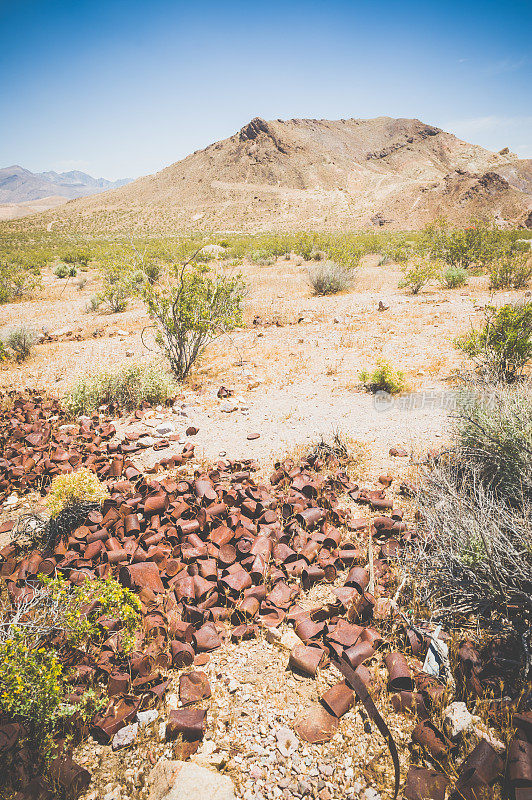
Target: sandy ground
294 373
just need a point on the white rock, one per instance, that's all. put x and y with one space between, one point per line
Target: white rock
146 717
125 736
228 406
172 701
287 742
185 780
457 719
165 428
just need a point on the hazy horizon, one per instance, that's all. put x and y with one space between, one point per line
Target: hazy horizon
120 90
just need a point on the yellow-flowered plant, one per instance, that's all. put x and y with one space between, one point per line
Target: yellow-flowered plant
113 601
82 486
31 672
31 686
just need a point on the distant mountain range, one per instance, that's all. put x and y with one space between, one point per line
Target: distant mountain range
19 185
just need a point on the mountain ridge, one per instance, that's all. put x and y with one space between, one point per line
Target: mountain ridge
323 174
20 185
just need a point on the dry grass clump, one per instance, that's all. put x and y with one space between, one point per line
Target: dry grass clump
127 387
329 278
476 553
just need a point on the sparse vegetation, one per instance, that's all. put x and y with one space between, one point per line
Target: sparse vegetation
418 273
32 675
453 277
329 278
21 340
65 271
502 348
80 486
477 553
191 311
126 388
511 270
118 288
384 378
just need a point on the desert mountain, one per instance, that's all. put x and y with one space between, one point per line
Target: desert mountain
317 174
19 185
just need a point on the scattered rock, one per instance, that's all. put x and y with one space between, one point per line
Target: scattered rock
146 717
125 736
400 452
192 430
228 406
252 436
129 353
185 780
287 742
165 428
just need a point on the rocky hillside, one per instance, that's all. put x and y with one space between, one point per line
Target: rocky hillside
320 174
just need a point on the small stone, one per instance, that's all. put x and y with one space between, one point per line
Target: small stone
228 406
125 736
129 353
457 719
287 742
146 717
371 794
252 436
399 452
165 428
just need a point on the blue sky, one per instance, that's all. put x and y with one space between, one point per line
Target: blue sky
124 88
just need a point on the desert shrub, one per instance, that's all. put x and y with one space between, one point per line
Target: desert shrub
80 486
21 340
65 271
262 258
476 552
118 287
192 312
511 270
17 281
502 348
127 387
453 277
329 278
384 378
32 678
420 272
93 304
492 431
474 246
77 255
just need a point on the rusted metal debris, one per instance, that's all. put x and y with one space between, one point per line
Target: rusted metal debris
218 555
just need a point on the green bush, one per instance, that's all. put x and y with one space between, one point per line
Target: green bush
128 387
80 486
502 348
21 340
418 274
118 287
65 271
17 281
32 687
192 312
383 379
453 277
78 255
511 270
329 278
